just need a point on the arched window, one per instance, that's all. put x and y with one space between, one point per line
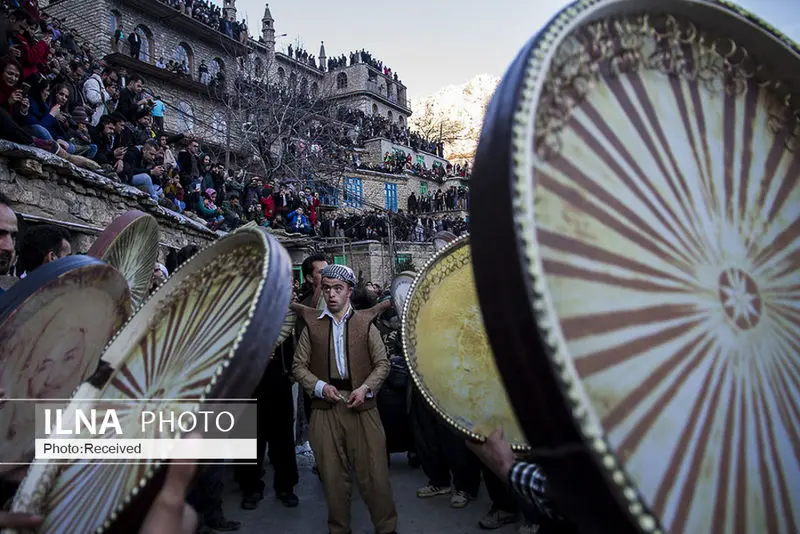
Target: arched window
185 117
314 90
400 120
114 20
374 109
293 81
281 74
304 86
215 67
259 67
183 56
146 51
341 81
219 126
391 118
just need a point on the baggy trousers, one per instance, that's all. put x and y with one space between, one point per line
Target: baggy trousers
344 440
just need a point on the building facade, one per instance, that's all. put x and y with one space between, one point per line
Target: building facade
198 100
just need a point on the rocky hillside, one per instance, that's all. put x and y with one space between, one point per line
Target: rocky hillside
464 104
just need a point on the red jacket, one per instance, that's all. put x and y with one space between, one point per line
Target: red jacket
33 56
268 204
312 211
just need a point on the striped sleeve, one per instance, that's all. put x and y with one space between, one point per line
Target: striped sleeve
529 481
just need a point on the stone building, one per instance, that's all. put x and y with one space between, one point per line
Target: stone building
194 104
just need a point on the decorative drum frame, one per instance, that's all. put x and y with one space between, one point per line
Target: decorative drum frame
130 244
535 103
441 266
236 375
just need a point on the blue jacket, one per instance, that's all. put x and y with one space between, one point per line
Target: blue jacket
298 221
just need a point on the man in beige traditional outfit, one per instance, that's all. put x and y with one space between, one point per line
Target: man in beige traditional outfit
341 363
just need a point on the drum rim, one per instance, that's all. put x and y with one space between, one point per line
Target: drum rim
534 63
109 237
274 254
275 258
460 242
43 277
38 280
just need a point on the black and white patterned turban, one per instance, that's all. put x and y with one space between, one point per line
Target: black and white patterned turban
339 272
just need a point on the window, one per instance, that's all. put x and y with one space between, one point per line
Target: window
281 73
328 195
353 189
298 273
185 117
340 260
390 194
293 81
304 86
219 126
114 19
341 81
423 188
404 262
146 51
391 117
216 66
374 109
183 56
259 67
314 89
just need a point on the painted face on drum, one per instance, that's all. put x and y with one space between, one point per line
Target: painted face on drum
8 235
337 294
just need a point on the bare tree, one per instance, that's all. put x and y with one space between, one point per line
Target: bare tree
281 113
433 125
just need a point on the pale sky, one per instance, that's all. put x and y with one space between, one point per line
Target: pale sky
434 43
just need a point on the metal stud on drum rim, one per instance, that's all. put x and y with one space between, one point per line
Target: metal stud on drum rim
216 314
130 244
447 351
53 328
647 221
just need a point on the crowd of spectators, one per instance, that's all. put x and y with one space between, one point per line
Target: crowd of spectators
212 16
304 57
57 97
371 126
374 225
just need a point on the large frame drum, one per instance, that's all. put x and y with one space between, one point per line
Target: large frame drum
206 334
448 352
54 325
637 180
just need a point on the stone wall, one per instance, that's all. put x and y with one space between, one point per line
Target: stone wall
372 261
47 188
380 146
93 18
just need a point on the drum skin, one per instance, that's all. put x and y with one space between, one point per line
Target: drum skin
130 244
207 331
54 325
447 350
645 210
401 285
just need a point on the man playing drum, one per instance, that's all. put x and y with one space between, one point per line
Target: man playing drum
340 361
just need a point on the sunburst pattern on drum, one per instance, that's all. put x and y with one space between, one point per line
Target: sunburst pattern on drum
180 356
668 233
134 253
